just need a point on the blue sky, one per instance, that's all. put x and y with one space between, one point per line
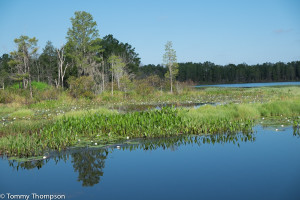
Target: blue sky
223 31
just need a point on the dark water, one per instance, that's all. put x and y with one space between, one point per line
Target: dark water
248 85
262 165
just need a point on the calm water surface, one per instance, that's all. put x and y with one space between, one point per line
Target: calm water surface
246 85
263 165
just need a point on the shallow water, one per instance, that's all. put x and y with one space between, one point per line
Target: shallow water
262 165
249 85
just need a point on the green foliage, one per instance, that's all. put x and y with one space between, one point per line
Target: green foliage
75 120
105 127
81 87
17 96
276 108
39 85
112 46
170 60
47 64
143 88
83 41
210 73
22 113
117 65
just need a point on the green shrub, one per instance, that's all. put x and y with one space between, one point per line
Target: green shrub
143 88
40 85
7 96
81 87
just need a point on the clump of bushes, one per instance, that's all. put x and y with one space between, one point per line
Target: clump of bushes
7 96
81 87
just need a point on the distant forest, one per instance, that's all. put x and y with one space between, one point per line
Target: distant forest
198 73
210 73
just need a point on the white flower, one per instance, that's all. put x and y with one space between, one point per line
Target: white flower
78 140
276 129
44 157
282 125
118 147
95 143
127 137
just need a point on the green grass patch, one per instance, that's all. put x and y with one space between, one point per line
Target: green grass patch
22 113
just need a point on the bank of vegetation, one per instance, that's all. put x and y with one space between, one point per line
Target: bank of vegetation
102 126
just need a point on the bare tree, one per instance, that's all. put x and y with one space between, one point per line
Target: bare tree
61 67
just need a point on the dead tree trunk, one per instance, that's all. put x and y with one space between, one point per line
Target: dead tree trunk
61 68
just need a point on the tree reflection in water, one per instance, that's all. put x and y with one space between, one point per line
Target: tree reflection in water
89 163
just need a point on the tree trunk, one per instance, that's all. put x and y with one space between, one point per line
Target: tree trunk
112 84
29 80
58 78
171 78
118 82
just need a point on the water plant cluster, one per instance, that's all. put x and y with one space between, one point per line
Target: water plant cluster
103 128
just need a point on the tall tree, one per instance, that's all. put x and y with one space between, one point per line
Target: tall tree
117 69
48 60
21 58
4 70
124 50
81 40
170 60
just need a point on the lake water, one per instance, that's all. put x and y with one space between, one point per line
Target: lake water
247 85
262 165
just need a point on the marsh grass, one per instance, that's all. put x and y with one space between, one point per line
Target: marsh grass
105 127
22 113
58 124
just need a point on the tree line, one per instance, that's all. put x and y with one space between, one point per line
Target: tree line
97 64
208 72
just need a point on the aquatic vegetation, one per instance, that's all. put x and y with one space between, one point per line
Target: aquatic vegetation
65 122
100 128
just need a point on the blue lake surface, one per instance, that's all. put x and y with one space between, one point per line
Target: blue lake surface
262 165
252 84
